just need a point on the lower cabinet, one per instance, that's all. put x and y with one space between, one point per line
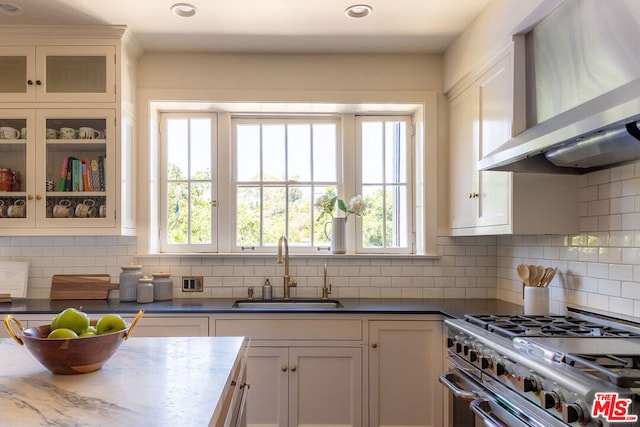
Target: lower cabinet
295 386
173 326
405 360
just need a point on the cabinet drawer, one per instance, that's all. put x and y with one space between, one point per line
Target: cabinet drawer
298 329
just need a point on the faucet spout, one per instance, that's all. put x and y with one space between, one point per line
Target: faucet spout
287 282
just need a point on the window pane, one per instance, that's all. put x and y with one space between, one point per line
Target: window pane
201 213
273 146
319 236
372 152
299 216
177 148
248 152
324 152
200 149
274 215
177 213
395 152
396 202
299 152
372 222
248 216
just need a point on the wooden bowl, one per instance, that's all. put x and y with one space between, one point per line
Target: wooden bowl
69 356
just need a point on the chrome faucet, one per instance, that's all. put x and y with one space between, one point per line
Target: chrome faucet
325 290
288 283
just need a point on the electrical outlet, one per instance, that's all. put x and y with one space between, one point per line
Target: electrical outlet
192 283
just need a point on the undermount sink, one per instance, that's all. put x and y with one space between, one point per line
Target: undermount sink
296 303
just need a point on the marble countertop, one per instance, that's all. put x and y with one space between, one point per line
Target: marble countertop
149 381
448 307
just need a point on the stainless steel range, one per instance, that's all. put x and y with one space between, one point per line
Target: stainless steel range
578 370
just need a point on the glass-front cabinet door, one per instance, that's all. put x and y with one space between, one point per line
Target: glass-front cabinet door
77 176
17 68
57 74
17 163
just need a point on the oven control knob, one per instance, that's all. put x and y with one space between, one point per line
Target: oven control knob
572 412
449 342
500 369
486 362
550 399
473 355
529 384
466 349
458 347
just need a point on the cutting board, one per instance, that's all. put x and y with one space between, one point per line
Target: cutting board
81 286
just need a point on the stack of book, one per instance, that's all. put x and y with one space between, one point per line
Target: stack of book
82 175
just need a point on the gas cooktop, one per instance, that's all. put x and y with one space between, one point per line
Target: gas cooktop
511 326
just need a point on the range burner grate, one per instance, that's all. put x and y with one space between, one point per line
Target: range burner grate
511 326
622 370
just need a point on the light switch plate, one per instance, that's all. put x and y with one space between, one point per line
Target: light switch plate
192 283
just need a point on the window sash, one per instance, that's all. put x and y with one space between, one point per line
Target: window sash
191 183
391 183
283 182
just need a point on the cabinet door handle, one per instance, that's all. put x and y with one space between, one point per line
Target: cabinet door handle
374 345
38 82
30 82
293 368
284 368
38 197
473 195
29 197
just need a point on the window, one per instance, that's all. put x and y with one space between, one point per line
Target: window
282 165
274 168
385 182
188 186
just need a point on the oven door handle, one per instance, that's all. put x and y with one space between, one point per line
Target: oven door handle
447 380
482 408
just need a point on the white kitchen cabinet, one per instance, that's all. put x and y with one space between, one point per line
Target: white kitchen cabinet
47 73
303 371
405 360
63 78
484 114
168 326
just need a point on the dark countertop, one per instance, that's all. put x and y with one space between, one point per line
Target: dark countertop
207 306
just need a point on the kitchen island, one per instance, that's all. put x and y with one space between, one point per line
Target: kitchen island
147 382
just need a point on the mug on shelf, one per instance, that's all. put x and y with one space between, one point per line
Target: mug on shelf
3 210
86 209
23 133
17 209
88 133
63 209
52 133
7 132
102 211
68 133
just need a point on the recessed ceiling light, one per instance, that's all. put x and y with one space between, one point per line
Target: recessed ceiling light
11 9
358 11
185 10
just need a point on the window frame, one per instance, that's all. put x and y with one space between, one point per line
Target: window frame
279 119
410 174
164 245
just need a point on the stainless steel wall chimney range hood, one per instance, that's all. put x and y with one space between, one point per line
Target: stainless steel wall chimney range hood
583 91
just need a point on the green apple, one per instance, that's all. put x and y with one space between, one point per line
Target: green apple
55 322
62 333
110 323
88 333
73 319
91 329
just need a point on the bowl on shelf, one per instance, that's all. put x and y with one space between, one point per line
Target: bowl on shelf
69 356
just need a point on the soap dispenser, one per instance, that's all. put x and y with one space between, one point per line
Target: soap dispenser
267 290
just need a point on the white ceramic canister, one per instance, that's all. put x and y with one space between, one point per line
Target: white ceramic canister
162 286
144 291
129 281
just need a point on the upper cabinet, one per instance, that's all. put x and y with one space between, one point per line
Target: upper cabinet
58 73
67 131
486 110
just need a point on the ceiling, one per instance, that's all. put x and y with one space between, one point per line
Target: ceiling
311 26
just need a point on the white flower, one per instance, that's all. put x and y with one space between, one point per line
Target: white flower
357 205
